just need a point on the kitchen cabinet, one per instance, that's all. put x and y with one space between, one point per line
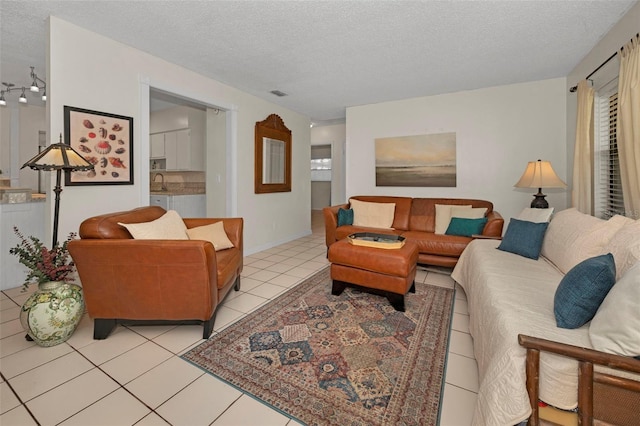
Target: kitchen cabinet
175 148
181 132
157 145
187 205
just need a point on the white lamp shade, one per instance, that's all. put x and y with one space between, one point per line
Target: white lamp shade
539 174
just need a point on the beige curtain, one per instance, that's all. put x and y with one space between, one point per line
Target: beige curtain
628 130
581 195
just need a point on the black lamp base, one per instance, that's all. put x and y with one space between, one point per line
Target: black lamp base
539 202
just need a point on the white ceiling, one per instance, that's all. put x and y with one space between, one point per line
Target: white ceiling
329 55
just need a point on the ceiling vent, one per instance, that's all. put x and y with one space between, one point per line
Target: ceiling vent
278 93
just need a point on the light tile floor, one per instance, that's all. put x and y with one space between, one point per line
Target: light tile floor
135 377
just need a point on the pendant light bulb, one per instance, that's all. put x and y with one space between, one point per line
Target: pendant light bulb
22 99
34 85
44 94
3 102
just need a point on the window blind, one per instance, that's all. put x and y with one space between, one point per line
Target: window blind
608 198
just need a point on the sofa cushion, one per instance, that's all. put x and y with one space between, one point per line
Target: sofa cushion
169 226
213 233
535 215
523 238
438 245
345 217
466 227
402 212
625 246
574 236
616 326
582 290
472 213
374 215
443 216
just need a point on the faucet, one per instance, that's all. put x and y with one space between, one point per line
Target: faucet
163 187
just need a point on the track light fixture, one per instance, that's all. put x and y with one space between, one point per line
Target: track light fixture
35 88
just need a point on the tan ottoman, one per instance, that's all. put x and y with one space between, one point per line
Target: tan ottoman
390 272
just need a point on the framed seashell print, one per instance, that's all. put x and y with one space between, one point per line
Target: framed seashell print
105 140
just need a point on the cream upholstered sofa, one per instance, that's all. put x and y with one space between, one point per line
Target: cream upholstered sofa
509 294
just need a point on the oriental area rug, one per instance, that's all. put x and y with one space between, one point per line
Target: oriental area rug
338 360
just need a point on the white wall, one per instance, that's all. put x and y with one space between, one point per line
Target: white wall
120 86
334 135
498 130
617 37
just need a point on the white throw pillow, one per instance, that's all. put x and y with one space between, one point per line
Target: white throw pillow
536 215
615 328
563 231
373 215
169 226
443 216
214 233
625 246
468 213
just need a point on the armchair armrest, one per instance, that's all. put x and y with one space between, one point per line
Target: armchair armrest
494 225
172 279
331 222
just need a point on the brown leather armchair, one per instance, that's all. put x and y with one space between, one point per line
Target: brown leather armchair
150 282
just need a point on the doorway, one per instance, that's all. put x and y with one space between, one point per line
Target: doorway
320 176
219 150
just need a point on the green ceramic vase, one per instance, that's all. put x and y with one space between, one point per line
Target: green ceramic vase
52 313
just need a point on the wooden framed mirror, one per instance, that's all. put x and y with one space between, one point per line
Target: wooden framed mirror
272 156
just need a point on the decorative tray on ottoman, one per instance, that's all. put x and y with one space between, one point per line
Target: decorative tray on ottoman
369 239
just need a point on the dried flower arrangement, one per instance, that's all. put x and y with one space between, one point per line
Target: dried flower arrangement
44 265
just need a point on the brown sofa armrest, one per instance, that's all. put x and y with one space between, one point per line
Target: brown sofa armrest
494 225
331 222
147 279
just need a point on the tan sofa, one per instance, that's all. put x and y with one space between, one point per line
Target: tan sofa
414 219
139 281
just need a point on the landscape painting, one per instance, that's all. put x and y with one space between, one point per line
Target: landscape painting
422 160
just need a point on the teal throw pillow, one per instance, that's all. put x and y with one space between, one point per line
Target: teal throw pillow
466 227
582 290
524 238
345 217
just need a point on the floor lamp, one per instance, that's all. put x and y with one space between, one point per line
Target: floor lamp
58 157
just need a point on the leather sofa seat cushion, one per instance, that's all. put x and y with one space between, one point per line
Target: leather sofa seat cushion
446 245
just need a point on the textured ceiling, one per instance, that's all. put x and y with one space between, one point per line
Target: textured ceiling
329 55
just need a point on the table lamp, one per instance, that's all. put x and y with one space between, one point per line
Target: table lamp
539 174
